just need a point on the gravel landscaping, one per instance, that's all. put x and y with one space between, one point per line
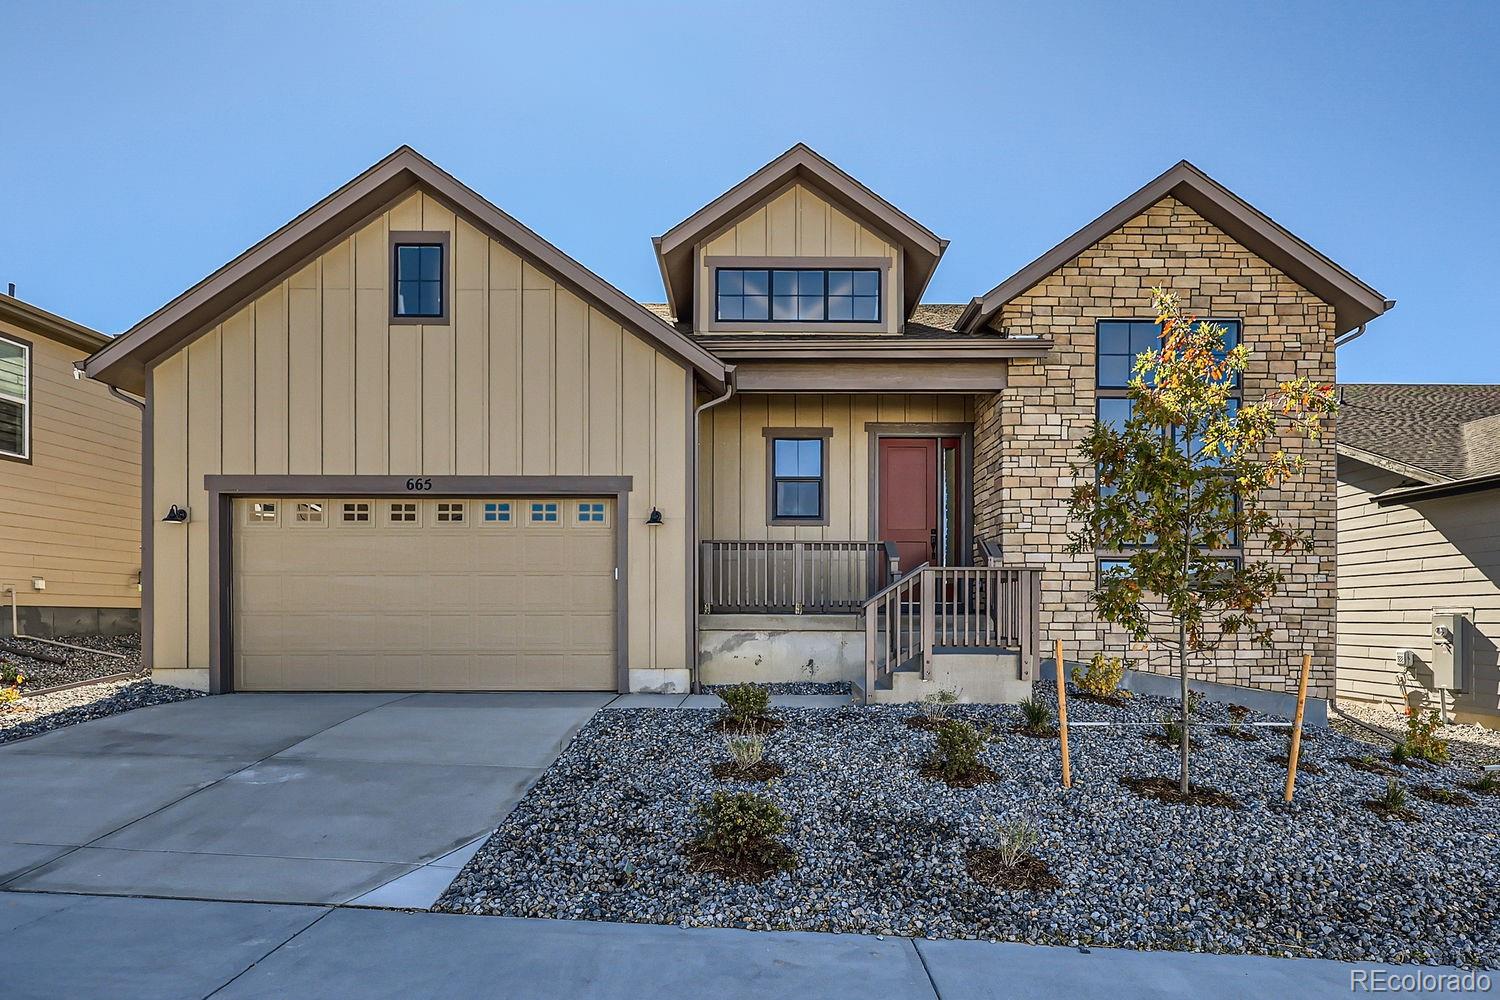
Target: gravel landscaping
881 849
794 687
1469 744
77 665
38 714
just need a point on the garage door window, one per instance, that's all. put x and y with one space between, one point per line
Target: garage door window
356 513
403 513
497 512
263 512
310 512
544 513
591 512
450 513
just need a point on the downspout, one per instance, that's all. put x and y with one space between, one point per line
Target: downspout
693 534
1351 338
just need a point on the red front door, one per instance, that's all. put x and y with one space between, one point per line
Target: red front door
908 495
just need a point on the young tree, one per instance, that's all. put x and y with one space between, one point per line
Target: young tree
1183 479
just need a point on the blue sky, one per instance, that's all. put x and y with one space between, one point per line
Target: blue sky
141 146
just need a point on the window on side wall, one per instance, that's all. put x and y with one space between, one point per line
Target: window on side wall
15 399
798 479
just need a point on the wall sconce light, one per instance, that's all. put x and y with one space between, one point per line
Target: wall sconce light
655 517
176 515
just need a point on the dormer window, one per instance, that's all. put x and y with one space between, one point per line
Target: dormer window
798 295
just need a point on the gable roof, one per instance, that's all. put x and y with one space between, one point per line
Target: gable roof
921 248
1431 433
38 321
123 361
1354 301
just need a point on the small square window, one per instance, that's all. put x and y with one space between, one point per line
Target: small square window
356 513
263 512
403 513
450 513
591 512
309 512
497 512
544 513
417 274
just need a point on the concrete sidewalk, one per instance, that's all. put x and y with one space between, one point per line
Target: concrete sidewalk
123 948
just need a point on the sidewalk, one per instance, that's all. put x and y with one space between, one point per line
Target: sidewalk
123 948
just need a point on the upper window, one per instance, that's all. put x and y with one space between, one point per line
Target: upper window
15 398
804 295
419 281
797 474
1122 340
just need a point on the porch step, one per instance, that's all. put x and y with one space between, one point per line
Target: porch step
985 676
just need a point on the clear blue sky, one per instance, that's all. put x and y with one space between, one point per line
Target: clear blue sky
141 146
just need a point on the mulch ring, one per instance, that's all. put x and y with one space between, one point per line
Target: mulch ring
1384 811
1167 790
768 859
1112 700
1244 734
925 723
1369 765
1029 874
763 770
1162 740
762 725
1479 787
1304 766
1443 796
1050 733
979 774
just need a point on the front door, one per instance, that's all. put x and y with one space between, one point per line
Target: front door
908 498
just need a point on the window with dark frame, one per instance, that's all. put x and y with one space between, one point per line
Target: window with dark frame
797 492
418 291
797 295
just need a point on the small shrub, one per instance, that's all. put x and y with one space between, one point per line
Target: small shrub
955 759
1009 865
1195 703
747 751
1017 839
11 675
1422 741
1488 783
1171 729
1394 796
1101 678
745 702
1400 754
9 694
737 836
935 705
1036 717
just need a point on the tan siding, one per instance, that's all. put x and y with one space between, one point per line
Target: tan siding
526 379
1397 565
72 515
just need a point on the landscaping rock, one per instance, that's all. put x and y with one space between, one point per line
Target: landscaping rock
77 665
42 713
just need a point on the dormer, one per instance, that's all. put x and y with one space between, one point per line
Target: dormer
799 247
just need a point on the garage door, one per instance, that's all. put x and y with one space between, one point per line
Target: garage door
402 595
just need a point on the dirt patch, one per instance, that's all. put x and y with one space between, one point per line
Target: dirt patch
1244 735
1384 811
1369 765
763 725
1029 874
1112 700
979 774
1479 787
1050 733
1238 712
1304 766
765 770
769 860
923 723
1443 796
1166 790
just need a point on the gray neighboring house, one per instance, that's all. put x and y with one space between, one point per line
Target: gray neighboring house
1419 540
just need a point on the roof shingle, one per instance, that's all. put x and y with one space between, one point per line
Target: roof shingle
1450 431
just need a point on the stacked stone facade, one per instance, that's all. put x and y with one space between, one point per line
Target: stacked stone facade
1026 437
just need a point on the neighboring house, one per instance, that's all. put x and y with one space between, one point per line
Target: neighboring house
1419 537
422 448
70 483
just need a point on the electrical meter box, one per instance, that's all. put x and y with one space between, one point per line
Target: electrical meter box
1452 649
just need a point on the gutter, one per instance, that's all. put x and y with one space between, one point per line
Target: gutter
1436 491
693 532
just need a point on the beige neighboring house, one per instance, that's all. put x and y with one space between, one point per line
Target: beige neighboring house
1419 547
412 445
70 483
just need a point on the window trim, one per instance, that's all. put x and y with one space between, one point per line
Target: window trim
708 321
772 435
25 456
410 237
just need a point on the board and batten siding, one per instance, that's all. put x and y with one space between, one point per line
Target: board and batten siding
799 222
527 379
72 515
1400 563
732 486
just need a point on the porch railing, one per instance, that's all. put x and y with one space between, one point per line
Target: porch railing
962 608
748 576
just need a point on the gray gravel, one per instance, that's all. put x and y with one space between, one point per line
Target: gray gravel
42 713
1468 744
881 848
793 687
79 665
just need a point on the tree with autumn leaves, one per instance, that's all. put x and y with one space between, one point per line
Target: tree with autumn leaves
1184 478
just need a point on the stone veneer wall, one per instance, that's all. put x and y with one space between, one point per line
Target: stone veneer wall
1026 436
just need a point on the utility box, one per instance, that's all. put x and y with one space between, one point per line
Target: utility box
1452 649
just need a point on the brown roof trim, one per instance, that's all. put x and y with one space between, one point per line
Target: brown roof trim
123 362
1436 491
876 348
42 323
921 247
1354 301
1390 464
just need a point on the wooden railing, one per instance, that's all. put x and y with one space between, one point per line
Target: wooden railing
968 608
746 576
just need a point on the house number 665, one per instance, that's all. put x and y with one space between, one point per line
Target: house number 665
419 484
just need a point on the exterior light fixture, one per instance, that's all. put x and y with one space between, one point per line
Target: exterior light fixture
655 517
176 515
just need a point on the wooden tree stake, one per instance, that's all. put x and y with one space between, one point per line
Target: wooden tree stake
1296 748
1062 711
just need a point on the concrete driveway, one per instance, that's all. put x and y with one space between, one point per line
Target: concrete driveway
372 799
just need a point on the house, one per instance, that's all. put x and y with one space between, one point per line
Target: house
70 483
417 446
1419 548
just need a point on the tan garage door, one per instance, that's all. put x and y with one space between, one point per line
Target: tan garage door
407 595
